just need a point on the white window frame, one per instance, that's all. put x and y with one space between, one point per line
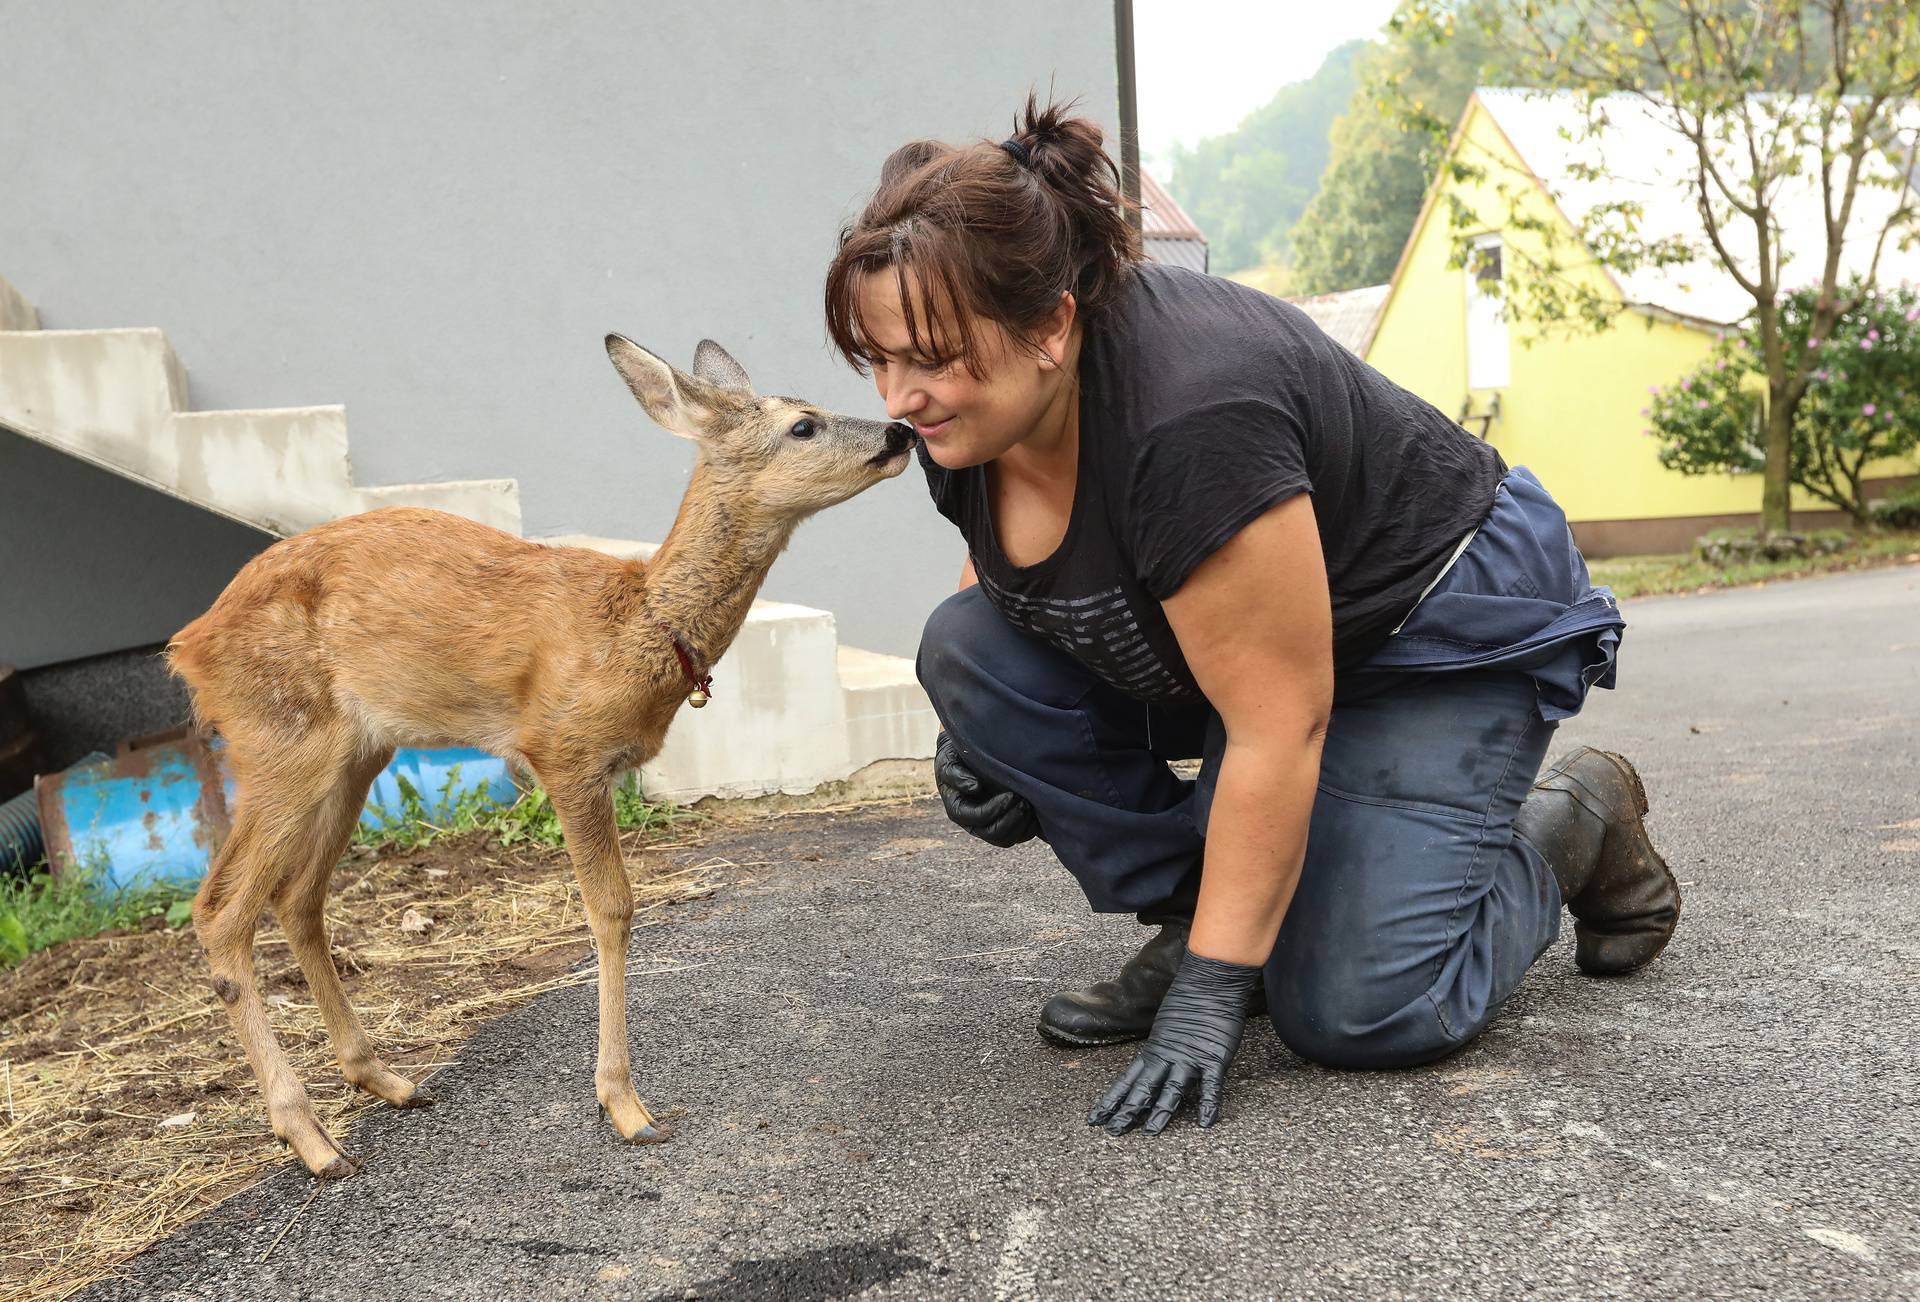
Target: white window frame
1488 351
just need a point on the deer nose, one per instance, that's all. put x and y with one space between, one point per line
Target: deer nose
899 437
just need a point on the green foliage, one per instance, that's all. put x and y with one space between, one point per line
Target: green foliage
1384 149
1245 189
1899 510
1860 403
38 910
528 819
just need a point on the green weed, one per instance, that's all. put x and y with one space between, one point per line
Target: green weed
39 910
528 819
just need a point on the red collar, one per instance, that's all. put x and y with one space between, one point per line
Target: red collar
702 683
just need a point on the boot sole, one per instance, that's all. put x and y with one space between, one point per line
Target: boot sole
1086 1041
1641 807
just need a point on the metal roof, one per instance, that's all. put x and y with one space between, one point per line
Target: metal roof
1348 317
1169 234
1642 157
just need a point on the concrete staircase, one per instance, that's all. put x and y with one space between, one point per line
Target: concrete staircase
792 711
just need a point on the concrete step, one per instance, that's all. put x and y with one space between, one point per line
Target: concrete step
118 399
490 501
792 709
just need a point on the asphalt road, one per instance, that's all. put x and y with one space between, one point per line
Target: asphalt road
868 1112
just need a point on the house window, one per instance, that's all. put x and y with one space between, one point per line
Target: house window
1486 326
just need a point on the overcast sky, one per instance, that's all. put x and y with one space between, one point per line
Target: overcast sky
1202 65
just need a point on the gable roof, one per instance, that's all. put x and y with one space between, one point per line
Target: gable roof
1167 233
1348 317
1644 159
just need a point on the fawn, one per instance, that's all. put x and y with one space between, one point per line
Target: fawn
406 626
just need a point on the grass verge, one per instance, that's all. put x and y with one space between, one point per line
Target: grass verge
1645 576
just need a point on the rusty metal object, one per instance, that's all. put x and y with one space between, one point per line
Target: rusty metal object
154 812
20 755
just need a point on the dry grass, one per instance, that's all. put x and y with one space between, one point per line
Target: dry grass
104 1038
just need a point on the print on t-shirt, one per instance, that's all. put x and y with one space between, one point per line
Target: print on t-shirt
1102 631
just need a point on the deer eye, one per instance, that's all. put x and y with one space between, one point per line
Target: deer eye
804 428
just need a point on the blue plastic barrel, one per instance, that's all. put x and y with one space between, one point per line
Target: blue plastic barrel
156 814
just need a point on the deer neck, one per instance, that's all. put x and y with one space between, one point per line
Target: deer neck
706 574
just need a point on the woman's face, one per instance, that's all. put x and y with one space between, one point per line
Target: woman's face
965 416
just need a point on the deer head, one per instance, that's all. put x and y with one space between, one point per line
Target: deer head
788 456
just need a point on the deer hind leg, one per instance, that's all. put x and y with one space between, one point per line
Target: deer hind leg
282 790
300 904
593 843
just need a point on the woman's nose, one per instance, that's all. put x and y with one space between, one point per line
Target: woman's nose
902 397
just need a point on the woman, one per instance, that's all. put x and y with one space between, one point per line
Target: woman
1198 527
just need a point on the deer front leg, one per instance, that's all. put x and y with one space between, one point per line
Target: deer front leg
586 815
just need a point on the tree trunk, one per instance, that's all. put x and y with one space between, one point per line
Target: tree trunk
1776 481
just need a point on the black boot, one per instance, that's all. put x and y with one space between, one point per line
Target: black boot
1584 816
1113 1012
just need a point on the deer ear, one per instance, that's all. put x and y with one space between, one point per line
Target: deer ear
715 365
670 397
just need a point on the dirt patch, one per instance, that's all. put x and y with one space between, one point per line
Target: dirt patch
104 1039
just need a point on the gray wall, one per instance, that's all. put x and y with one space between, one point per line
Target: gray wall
94 561
432 212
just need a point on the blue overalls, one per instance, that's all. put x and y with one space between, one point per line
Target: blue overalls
1418 908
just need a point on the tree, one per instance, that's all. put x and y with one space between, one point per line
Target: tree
1768 97
1862 400
1383 152
1245 188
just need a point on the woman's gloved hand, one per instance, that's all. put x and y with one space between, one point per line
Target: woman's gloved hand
997 817
1194 1037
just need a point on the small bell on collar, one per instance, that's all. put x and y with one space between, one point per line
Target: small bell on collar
697 699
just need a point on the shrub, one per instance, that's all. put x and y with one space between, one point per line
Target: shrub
1861 403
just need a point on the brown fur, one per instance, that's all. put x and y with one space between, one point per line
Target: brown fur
413 627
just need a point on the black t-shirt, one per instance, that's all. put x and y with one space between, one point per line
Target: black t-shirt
1204 403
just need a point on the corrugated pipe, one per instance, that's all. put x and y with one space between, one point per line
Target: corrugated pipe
21 845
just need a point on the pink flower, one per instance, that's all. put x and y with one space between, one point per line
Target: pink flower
1643 411
1703 404
1685 385
1874 335
1868 410
1913 314
1865 345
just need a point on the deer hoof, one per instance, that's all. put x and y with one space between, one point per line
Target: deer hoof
338 1169
650 1134
422 1097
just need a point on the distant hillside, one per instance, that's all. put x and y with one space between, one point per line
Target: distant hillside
1247 188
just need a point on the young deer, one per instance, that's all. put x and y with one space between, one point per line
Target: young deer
405 626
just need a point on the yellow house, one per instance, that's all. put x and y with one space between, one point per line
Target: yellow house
1565 401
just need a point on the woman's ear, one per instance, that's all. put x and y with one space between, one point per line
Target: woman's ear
1056 330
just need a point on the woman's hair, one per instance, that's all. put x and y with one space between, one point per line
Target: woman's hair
974 231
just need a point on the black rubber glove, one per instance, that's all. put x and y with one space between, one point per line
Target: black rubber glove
1195 1035
997 817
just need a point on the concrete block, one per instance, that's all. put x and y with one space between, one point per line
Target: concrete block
888 714
494 502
